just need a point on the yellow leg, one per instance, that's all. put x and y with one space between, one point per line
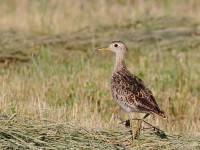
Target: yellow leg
137 134
134 142
132 126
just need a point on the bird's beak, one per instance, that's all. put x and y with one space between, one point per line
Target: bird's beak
104 49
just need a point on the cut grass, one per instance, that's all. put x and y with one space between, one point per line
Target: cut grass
49 71
17 133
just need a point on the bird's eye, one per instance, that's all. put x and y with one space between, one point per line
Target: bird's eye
116 45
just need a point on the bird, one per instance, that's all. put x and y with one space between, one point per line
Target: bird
128 90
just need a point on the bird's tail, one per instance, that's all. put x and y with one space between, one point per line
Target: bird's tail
162 114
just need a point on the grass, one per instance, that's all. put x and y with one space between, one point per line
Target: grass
50 71
18 133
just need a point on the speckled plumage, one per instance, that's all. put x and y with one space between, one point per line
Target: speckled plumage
129 91
131 94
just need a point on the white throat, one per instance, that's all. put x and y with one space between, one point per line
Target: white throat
119 61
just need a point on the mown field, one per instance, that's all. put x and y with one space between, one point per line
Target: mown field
54 91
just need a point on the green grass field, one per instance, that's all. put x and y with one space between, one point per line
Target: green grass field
49 70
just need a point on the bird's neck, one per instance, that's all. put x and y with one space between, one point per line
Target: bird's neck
119 62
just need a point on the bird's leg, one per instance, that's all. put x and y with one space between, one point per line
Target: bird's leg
139 126
132 126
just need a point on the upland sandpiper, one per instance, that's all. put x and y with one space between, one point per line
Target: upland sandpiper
128 90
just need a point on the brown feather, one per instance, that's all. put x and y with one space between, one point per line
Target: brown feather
130 91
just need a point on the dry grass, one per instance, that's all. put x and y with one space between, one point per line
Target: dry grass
65 81
43 134
48 16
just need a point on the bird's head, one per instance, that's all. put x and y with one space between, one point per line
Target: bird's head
117 47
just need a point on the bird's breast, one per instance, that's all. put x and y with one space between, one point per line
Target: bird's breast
117 90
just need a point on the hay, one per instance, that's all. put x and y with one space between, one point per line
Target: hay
18 133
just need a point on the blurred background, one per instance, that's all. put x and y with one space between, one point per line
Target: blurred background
48 69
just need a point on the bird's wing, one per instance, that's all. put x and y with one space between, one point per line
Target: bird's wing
136 93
